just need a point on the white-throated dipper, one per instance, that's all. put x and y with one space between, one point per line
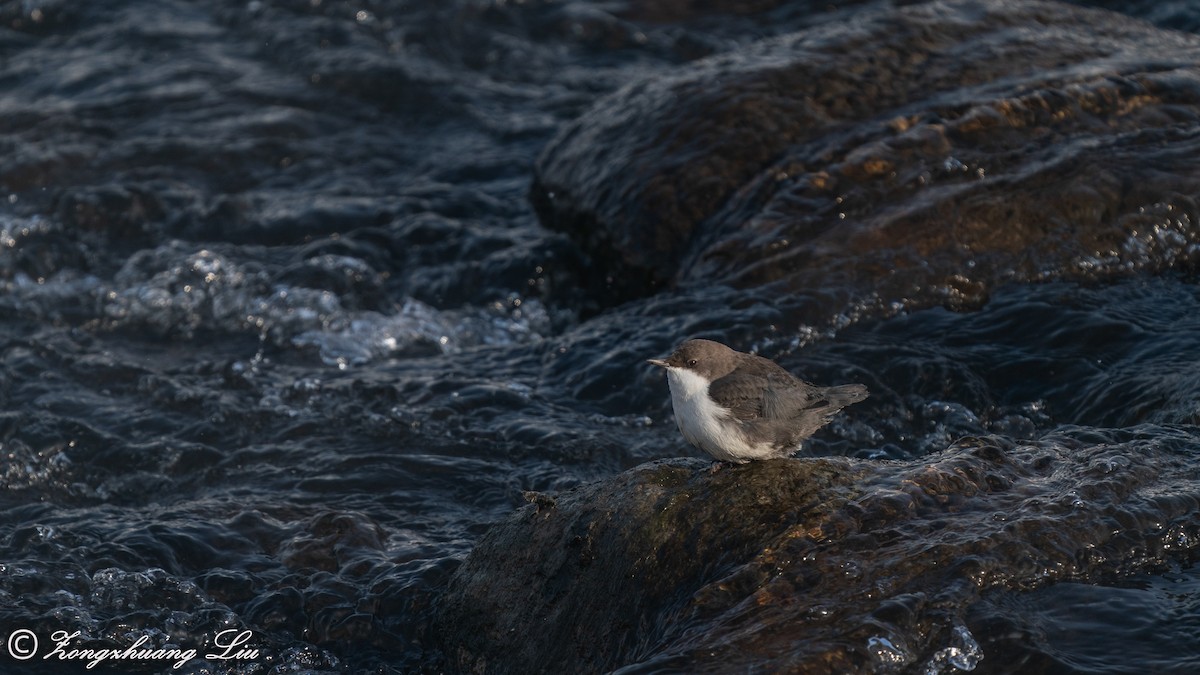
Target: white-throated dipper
741 407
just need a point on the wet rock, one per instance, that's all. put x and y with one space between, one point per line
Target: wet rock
917 155
819 565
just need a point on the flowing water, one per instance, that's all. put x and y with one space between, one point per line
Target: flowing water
282 334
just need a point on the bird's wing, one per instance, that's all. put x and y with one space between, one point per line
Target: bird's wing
794 399
748 397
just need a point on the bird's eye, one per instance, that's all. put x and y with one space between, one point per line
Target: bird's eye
691 362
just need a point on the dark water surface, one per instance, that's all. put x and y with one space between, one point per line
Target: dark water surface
282 334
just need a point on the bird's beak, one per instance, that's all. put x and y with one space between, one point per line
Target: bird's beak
657 362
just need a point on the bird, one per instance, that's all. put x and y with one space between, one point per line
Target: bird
740 407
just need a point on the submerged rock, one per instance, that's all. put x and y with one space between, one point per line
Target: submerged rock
915 156
817 565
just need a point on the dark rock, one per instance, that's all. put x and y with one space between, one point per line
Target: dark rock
916 156
819 565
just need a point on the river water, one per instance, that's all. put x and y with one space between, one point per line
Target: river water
283 335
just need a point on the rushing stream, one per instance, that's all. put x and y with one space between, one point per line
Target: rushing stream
299 297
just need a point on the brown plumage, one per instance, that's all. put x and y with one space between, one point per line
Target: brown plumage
738 407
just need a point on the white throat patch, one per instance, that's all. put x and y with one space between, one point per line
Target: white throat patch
704 423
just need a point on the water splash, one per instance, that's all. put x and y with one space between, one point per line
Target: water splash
421 329
1158 236
886 656
178 291
963 654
